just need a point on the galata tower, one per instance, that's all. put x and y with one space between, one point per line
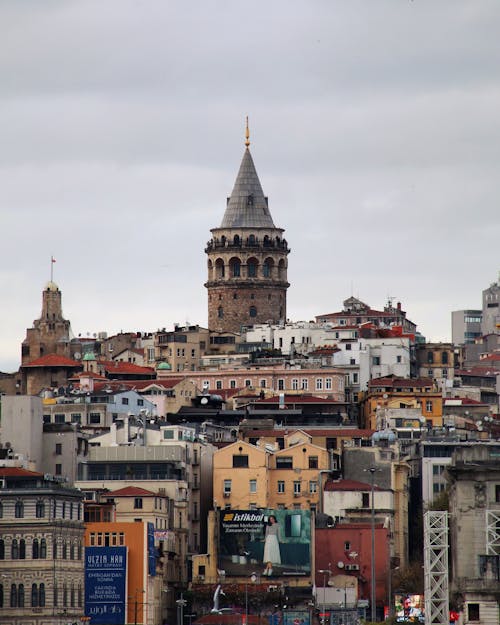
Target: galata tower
247 258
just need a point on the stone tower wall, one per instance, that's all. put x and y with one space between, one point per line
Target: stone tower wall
247 278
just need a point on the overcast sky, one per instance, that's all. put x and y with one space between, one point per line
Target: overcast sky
375 131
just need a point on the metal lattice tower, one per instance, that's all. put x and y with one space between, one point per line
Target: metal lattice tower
437 609
492 533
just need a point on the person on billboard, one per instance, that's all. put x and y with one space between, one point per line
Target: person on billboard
272 553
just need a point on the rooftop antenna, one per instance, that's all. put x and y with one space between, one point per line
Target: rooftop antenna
52 261
247 134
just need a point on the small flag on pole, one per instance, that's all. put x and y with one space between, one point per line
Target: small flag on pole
52 259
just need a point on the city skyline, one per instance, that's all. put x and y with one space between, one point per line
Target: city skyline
373 128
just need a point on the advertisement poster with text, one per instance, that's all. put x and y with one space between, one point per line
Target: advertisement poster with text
269 543
106 585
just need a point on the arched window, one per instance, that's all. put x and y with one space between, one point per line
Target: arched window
444 358
266 242
252 265
64 551
220 312
79 551
40 509
72 595
20 596
253 311
72 552
43 549
430 357
236 240
235 267
35 549
71 510
56 595
14 549
219 268
34 596
22 549
80 596
281 269
41 595
13 596
2 549
267 268
63 509
223 241
251 239
65 595
54 550
19 510
54 508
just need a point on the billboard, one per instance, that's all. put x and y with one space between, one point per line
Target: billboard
409 607
269 543
105 585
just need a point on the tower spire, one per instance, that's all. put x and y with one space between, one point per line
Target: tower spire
247 134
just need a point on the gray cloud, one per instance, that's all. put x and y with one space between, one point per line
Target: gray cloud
375 133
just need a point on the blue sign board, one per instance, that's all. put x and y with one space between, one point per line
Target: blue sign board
105 585
151 550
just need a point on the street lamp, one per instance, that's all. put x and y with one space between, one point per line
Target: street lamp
324 572
180 609
253 578
372 600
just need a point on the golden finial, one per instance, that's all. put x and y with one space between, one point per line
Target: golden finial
247 134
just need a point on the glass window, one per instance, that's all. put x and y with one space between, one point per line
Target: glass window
319 384
295 384
227 487
240 461
19 510
281 486
296 487
253 486
281 384
313 486
304 384
137 503
328 384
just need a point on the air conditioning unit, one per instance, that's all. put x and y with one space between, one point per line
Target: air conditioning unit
226 494
296 494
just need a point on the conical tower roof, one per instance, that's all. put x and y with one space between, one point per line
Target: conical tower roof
247 206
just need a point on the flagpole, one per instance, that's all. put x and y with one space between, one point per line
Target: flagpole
52 261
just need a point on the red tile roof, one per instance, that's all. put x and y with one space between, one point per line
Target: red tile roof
296 399
477 371
349 485
136 385
87 374
131 491
17 472
53 360
401 382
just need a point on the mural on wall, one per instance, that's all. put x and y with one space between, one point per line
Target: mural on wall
269 543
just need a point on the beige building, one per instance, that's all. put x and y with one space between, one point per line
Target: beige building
264 476
325 382
181 348
474 496
41 549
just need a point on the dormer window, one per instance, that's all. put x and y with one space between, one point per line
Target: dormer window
250 200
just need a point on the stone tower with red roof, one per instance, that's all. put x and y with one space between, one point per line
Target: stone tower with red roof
50 333
247 259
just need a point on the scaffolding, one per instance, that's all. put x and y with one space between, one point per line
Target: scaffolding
436 583
492 533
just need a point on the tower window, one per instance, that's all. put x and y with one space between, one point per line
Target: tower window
253 311
235 268
252 268
220 312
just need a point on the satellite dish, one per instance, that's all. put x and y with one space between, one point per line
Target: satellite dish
340 564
